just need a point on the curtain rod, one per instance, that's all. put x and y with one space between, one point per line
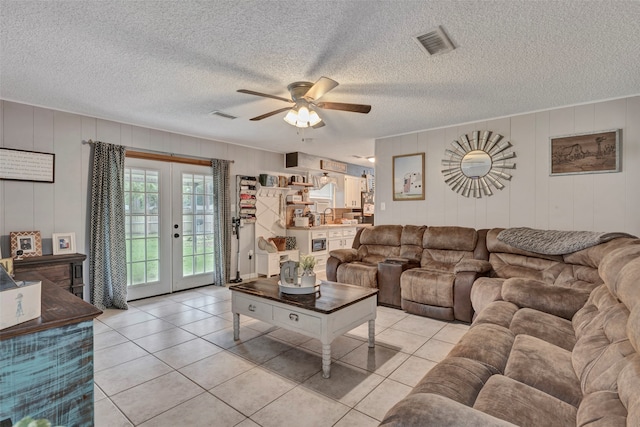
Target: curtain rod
90 141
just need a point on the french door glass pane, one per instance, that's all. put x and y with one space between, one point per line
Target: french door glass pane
197 224
142 200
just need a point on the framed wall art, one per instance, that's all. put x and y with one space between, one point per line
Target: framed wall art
29 242
64 243
593 152
21 165
408 177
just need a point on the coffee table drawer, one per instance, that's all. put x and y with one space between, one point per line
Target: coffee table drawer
252 308
296 320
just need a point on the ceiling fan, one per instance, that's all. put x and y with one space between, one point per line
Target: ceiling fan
305 96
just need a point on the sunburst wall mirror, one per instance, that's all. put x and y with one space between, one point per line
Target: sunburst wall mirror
476 163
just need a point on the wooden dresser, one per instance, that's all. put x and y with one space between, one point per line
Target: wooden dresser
65 271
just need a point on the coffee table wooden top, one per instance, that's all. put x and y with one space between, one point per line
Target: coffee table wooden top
331 296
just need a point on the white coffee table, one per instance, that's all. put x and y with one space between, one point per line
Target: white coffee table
335 310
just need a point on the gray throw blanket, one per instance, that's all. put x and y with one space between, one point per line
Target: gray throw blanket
554 242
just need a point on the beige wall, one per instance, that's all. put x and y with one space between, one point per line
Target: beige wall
598 202
62 206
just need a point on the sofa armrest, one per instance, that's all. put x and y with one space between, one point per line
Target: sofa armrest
345 255
472 265
557 300
428 409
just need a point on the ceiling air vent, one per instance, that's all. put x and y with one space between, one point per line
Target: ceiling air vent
435 42
223 115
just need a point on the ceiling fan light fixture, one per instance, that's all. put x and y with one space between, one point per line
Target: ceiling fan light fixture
291 117
303 114
314 118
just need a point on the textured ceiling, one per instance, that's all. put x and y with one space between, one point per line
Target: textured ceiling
166 65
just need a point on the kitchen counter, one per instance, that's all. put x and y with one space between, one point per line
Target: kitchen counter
330 226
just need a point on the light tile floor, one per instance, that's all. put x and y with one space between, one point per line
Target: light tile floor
171 360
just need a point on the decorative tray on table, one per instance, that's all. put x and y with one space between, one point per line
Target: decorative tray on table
296 289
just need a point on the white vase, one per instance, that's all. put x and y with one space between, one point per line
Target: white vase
308 278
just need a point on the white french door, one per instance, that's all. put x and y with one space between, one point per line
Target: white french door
169 227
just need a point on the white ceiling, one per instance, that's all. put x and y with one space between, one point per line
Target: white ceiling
166 65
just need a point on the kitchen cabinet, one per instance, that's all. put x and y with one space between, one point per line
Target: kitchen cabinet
312 242
341 238
349 191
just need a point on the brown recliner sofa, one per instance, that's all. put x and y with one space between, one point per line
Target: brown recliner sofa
543 354
424 270
359 265
452 259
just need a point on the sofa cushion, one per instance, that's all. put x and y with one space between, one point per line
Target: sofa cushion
385 235
450 238
601 409
556 300
508 265
629 391
523 405
456 378
485 290
358 273
545 326
486 343
497 313
426 409
599 354
594 255
411 242
444 247
545 367
428 287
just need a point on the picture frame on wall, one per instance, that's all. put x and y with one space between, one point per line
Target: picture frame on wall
29 242
408 177
23 165
63 243
592 152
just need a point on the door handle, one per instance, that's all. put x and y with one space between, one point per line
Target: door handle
252 307
176 235
293 317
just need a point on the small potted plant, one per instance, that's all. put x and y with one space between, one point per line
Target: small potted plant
307 263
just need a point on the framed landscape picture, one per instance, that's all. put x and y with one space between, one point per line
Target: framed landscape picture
593 152
408 177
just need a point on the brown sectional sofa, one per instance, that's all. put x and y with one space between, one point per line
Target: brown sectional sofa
557 346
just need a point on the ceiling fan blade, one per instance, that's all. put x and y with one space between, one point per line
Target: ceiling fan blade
266 95
319 125
272 113
322 86
356 108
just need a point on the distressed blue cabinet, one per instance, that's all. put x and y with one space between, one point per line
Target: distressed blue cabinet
46 364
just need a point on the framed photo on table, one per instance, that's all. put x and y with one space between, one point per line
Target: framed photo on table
64 243
29 242
408 177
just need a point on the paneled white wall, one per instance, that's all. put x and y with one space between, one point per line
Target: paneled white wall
597 202
62 206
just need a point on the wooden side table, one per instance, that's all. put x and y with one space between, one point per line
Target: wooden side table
65 271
